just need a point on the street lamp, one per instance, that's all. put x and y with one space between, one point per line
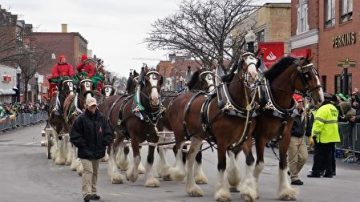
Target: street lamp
18 77
36 86
250 40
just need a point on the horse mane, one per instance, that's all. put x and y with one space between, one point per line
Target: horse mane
194 78
279 67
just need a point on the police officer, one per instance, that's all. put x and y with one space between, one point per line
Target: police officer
326 134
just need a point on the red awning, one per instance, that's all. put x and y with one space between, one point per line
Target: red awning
304 52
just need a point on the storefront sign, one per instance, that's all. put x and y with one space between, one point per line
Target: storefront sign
272 52
344 40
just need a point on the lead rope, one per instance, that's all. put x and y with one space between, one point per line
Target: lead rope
248 109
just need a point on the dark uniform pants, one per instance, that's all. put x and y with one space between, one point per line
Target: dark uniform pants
324 158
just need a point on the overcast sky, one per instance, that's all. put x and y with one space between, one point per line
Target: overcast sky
115 29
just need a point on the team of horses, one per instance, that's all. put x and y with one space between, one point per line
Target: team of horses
224 109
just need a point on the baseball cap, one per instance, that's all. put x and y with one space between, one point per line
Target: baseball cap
91 101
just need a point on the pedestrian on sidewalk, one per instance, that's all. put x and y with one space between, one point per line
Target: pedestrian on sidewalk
326 133
91 134
297 152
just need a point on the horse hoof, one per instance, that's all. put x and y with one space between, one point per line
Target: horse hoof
288 194
167 177
222 195
195 191
141 169
131 177
152 182
247 198
201 179
234 190
117 179
177 174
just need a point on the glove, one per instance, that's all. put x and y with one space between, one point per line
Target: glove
311 141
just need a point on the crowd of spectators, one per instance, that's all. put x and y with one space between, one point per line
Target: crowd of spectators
9 109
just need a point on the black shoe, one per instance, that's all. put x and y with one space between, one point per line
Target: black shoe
297 182
87 198
313 175
328 175
95 197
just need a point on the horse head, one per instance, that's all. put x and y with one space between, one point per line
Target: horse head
248 67
86 87
150 82
307 80
68 87
108 90
202 79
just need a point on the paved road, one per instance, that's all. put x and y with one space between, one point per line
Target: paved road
26 175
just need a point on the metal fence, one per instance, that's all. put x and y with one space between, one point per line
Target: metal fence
23 119
349 147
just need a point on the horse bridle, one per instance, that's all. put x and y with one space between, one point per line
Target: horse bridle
68 82
152 87
207 73
304 73
245 74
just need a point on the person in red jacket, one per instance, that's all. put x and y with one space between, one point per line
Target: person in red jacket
61 71
86 66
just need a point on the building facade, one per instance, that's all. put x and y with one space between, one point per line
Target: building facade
304 40
70 44
339 34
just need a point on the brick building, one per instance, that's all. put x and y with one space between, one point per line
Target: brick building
328 31
305 29
175 70
70 44
339 34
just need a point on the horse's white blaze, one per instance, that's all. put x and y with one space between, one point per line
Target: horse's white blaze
154 92
321 92
250 61
210 82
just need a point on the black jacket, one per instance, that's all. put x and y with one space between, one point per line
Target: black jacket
91 134
298 129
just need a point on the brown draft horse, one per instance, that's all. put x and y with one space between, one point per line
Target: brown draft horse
111 107
139 125
74 105
274 121
57 123
222 128
200 80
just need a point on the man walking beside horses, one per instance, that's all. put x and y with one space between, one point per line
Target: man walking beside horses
91 134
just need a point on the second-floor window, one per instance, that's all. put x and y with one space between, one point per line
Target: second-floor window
346 10
302 17
329 13
260 36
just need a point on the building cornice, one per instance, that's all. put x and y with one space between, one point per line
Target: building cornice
305 39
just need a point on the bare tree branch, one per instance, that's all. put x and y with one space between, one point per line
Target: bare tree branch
204 29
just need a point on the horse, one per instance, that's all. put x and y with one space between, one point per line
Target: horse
200 80
224 119
56 124
74 105
274 121
118 151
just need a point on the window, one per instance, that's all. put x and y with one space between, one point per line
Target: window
339 84
260 36
302 17
329 13
346 10
323 81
